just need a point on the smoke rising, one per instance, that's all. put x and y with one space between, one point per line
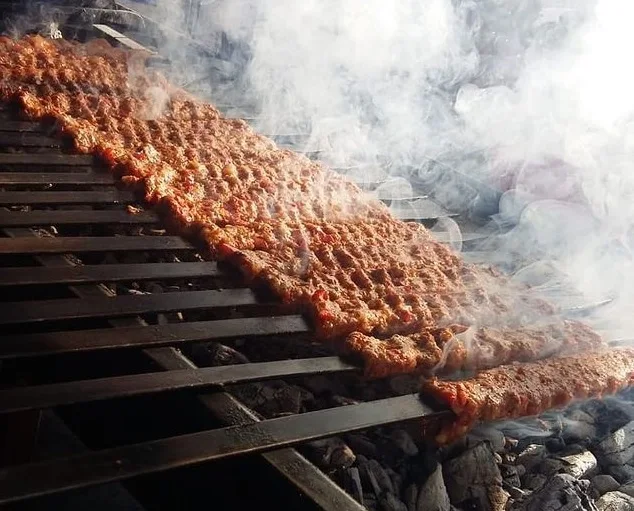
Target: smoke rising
471 102
520 112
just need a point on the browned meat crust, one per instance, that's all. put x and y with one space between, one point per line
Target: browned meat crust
310 234
519 390
457 348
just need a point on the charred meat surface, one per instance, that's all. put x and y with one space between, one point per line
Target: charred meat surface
527 389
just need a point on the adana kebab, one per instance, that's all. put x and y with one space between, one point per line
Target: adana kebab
458 348
520 390
312 236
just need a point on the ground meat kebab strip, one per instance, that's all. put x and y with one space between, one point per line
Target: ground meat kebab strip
380 276
366 269
528 389
459 348
308 233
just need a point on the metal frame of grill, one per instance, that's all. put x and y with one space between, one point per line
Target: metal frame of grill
43 186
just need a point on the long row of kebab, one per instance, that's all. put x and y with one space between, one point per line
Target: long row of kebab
377 288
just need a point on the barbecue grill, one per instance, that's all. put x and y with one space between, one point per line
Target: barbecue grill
102 310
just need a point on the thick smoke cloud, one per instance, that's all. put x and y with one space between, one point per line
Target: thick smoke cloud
523 105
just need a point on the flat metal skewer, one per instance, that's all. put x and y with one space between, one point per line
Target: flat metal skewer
98 389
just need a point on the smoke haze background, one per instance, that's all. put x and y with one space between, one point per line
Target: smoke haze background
464 99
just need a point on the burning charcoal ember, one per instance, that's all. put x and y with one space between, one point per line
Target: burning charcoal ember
562 492
432 495
515 493
486 433
474 477
323 385
582 464
532 456
618 447
216 354
555 444
403 440
604 483
370 501
410 497
362 445
375 476
609 414
274 398
397 480
534 481
578 426
352 483
615 501
331 454
511 475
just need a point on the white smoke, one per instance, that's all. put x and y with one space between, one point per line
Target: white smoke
466 100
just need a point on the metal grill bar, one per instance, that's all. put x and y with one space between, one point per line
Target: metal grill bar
14 346
46 159
121 39
149 457
27 126
289 462
25 276
91 244
12 139
33 218
34 198
12 313
55 178
68 393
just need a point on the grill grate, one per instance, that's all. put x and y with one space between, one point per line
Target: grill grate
94 468
43 327
103 466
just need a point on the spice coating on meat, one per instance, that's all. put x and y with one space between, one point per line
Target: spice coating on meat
459 348
528 389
